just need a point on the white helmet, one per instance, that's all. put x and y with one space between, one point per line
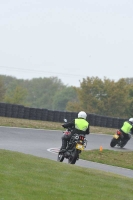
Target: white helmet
82 114
131 120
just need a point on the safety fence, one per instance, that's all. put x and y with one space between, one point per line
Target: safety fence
19 111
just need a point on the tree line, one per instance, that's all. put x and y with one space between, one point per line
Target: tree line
94 95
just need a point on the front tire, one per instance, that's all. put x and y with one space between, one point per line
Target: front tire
123 143
60 157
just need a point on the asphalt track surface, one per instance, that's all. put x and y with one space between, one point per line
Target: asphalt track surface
46 143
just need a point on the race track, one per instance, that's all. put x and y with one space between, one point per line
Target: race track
46 143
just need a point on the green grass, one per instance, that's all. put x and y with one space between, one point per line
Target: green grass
110 157
26 177
25 123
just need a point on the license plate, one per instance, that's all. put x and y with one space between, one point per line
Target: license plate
116 136
79 146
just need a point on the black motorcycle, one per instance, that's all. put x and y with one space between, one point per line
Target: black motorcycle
74 147
118 140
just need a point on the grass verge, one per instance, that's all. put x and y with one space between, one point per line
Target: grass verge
109 157
26 177
25 123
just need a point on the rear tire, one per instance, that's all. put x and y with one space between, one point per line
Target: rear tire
72 159
113 142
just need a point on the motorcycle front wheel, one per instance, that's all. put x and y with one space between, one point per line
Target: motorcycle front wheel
60 157
123 143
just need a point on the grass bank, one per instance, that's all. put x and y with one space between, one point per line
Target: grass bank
25 123
109 157
26 177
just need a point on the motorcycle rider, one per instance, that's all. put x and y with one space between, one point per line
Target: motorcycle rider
78 125
127 128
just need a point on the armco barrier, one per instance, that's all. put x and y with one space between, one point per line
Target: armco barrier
19 111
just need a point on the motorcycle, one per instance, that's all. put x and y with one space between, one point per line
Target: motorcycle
118 140
74 147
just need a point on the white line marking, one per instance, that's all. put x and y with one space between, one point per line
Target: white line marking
53 150
56 150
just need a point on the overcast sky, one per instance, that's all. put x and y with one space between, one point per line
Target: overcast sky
70 39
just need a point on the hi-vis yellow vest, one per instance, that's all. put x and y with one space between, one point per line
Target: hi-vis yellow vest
126 127
81 124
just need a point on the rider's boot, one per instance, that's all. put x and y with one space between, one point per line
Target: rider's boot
64 144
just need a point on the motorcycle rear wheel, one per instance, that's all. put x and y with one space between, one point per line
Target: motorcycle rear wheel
113 142
73 158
